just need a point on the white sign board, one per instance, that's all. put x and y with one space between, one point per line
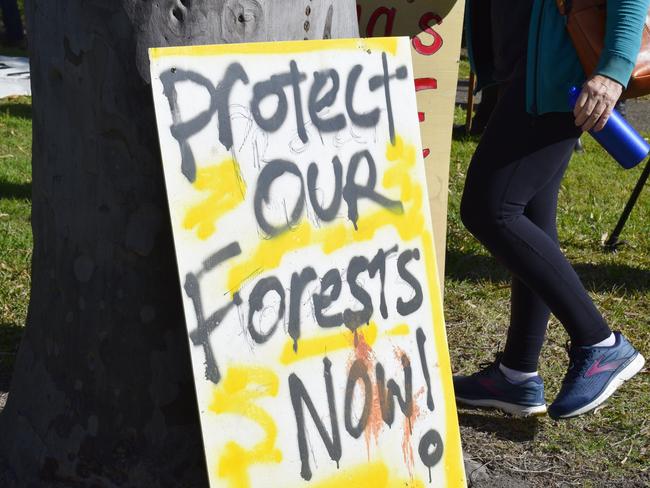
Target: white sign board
303 236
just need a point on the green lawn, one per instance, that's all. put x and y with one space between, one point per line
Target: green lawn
613 444
15 228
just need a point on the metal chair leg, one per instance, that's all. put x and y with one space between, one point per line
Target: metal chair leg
614 242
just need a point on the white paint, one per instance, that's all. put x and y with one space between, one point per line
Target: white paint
231 342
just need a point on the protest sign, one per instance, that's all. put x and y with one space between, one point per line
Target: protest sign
435 28
304 246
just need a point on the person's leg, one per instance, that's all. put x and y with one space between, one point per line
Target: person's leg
529 314
509 204
518 157
489 97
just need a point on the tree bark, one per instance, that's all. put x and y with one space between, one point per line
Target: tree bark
102 393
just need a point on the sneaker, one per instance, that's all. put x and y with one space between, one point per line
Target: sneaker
594 374
490 388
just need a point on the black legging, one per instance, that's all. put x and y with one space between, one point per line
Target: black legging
510 205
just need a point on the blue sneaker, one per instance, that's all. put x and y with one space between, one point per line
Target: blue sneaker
490 388
594 374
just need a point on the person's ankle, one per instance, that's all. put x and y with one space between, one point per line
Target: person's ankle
608 342
516 376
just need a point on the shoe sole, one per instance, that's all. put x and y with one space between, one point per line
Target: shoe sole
626 374
511 408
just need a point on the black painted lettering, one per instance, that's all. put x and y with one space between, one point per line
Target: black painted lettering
296 77
298 283
358 372
183 130
386 398
369 119
430 449
219 102
271 172
378 264
205 326
414 304
353 191
356 318
318 102
329 213
384 80
275 86
330 290
299 396
256 304
421 340
234 73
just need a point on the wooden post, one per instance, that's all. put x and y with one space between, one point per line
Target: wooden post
102 393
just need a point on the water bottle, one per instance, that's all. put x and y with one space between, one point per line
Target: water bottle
618 137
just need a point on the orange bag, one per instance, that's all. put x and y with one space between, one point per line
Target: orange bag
586 21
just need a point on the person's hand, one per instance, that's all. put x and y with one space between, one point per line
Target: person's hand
596 102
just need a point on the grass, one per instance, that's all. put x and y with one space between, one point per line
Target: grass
608 448
463 67
15 228
611 447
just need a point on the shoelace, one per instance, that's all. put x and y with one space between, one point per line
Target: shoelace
486 366
579 359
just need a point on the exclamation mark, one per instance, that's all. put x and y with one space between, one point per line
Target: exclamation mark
422 338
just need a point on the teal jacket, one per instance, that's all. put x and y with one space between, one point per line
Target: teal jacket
553 65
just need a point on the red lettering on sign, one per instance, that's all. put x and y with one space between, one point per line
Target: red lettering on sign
426 84
389 13
420 85
425 25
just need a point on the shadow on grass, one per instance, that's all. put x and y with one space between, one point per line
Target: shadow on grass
507 428
18 110
458 134
596 277
10 335
12 51
15 191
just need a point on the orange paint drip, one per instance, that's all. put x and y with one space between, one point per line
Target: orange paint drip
407 438
375 420
363 350
407 445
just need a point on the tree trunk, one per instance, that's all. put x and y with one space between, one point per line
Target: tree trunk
102 393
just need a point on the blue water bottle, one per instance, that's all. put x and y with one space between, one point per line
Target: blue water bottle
618 137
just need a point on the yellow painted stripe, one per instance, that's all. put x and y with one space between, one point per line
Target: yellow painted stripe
453 455
399 330
375 475
383 44
324 344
